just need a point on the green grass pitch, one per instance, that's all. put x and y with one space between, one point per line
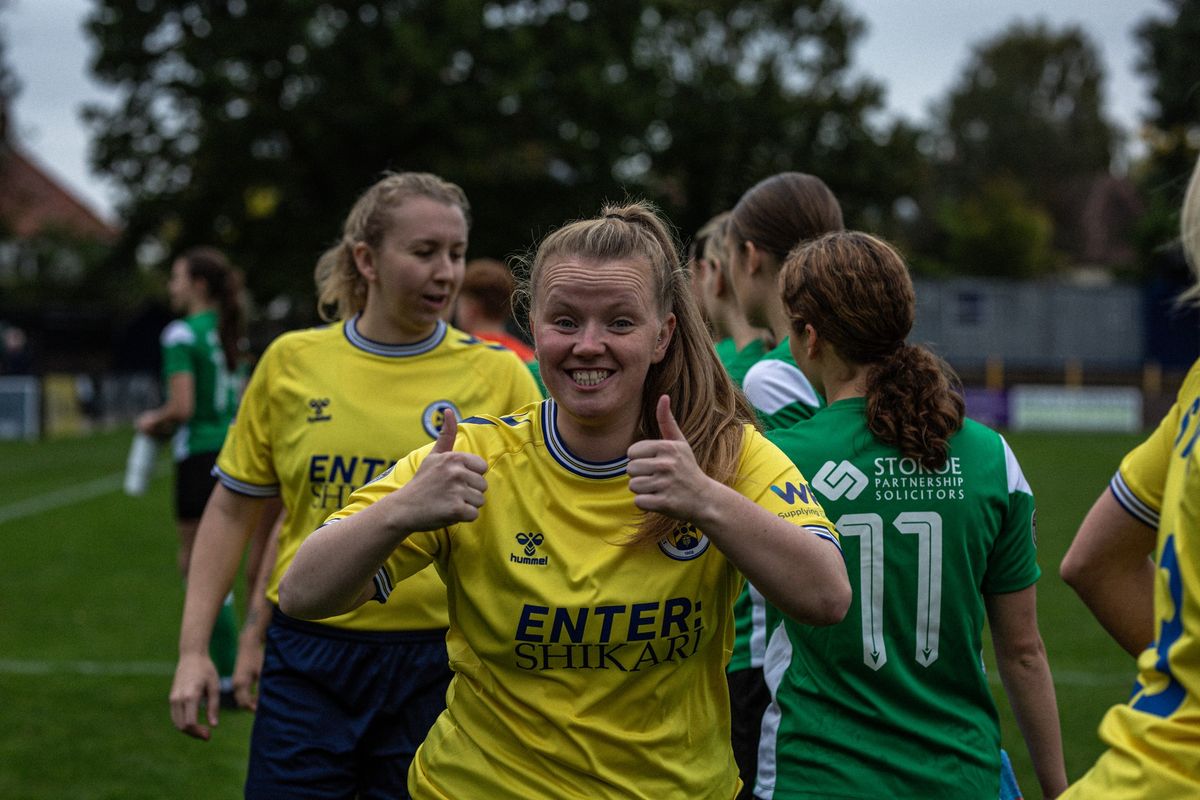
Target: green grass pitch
90 604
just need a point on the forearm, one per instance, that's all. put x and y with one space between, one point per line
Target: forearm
1030 688
220 541
333 569
802 574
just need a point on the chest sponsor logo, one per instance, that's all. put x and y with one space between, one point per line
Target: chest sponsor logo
837 480
684 543
333 476
529 543
434 416
316 407
625 637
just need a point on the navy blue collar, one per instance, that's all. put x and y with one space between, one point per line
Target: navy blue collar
568 460
393 350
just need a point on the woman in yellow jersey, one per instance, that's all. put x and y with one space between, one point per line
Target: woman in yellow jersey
343 703
1136 563
592 544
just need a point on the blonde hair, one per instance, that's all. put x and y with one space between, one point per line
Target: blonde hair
711 412
341 289
1189 235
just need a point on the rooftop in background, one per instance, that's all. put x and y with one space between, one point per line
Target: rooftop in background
32 202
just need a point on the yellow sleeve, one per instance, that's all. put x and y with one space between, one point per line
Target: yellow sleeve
771 480
246 464
418 550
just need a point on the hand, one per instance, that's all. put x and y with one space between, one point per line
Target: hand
663 473
195 684
448 487
246 672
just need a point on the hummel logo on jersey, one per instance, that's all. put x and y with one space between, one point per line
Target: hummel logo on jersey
834 480
318 406
530 542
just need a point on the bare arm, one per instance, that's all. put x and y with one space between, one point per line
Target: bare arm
229 520
333 569
801 574
1110 566
260 563
1025 673
178 409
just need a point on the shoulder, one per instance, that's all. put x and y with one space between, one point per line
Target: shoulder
773 383
987 448
485 353
177 333
292 342
495 436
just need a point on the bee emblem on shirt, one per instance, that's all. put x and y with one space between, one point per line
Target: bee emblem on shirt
529 542
318 405
684 543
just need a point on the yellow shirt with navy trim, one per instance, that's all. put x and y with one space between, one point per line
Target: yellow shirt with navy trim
584 666
327 410
1154 738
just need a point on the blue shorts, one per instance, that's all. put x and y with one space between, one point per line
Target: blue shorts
341 712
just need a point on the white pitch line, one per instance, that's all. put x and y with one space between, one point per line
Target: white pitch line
61 498
112 669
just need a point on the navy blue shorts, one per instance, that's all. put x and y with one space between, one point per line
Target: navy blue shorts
341 712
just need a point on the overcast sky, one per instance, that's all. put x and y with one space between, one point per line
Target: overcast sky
916 47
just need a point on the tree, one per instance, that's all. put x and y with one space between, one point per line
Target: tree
1172 130
1028 108
253 125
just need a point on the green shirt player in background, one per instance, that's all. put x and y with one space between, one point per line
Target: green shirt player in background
937 524
738 343
204 370
769 220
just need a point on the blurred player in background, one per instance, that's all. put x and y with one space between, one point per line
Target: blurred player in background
739 344
485 305
1135 562
204 370
769 220
938 522
588 639
344 702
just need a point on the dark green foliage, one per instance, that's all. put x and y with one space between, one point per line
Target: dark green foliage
254 125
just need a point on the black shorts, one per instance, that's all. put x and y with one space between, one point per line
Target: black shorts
194 482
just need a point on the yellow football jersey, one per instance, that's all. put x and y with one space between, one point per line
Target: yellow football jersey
584 667
1154 738
327 410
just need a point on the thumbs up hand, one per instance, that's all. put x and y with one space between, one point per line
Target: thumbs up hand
663 473
448 486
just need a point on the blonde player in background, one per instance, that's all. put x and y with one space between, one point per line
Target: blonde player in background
590 593
1135 562
344 702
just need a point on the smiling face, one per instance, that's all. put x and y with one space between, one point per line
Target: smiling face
414 273
598 329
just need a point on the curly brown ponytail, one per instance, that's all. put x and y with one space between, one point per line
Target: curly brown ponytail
855 291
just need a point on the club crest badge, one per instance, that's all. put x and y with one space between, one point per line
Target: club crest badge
684 543
435 414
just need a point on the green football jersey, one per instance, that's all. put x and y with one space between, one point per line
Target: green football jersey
782 396
192 345
737 362
893 701
779 391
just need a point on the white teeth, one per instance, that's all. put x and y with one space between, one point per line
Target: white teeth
589 377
